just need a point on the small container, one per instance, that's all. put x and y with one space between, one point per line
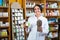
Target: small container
5 14
19 22
16 10
18 18
21 10
22 18
4 33
1 23
13 10
7 23
1 14
16 22
4 25
16 14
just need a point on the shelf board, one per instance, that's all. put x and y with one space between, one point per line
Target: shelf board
3 17
51 16
53 8
3 27
52 1
54 30
52 24
3 36
3 7
29 7
33 0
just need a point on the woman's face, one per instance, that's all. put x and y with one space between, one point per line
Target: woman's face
37 10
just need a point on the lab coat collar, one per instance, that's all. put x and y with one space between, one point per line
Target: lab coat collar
39 17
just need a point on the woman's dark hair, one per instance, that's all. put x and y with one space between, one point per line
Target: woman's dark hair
40 6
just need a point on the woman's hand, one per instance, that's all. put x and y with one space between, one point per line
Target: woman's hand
39 29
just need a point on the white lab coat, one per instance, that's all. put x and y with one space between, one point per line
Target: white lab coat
34 35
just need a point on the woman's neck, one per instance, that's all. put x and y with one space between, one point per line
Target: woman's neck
37 16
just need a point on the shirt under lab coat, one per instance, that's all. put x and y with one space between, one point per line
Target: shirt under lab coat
34 35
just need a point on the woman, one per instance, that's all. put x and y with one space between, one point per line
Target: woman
33 35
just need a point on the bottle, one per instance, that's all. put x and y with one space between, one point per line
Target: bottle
4 3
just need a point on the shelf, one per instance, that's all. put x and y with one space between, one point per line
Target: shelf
53 8
54 30
3 17
53 0
52 16
3 36
3 7
52 24
3 27
29 7
54 38
33 0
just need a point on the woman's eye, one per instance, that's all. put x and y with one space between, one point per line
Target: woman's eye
36 9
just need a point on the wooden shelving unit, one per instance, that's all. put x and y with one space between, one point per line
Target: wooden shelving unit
5 20
4 27
50 3
3 7
52 0
3 17
3 36
52 16
53 30
53 8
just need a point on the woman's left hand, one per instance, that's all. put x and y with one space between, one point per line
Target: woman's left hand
39 29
